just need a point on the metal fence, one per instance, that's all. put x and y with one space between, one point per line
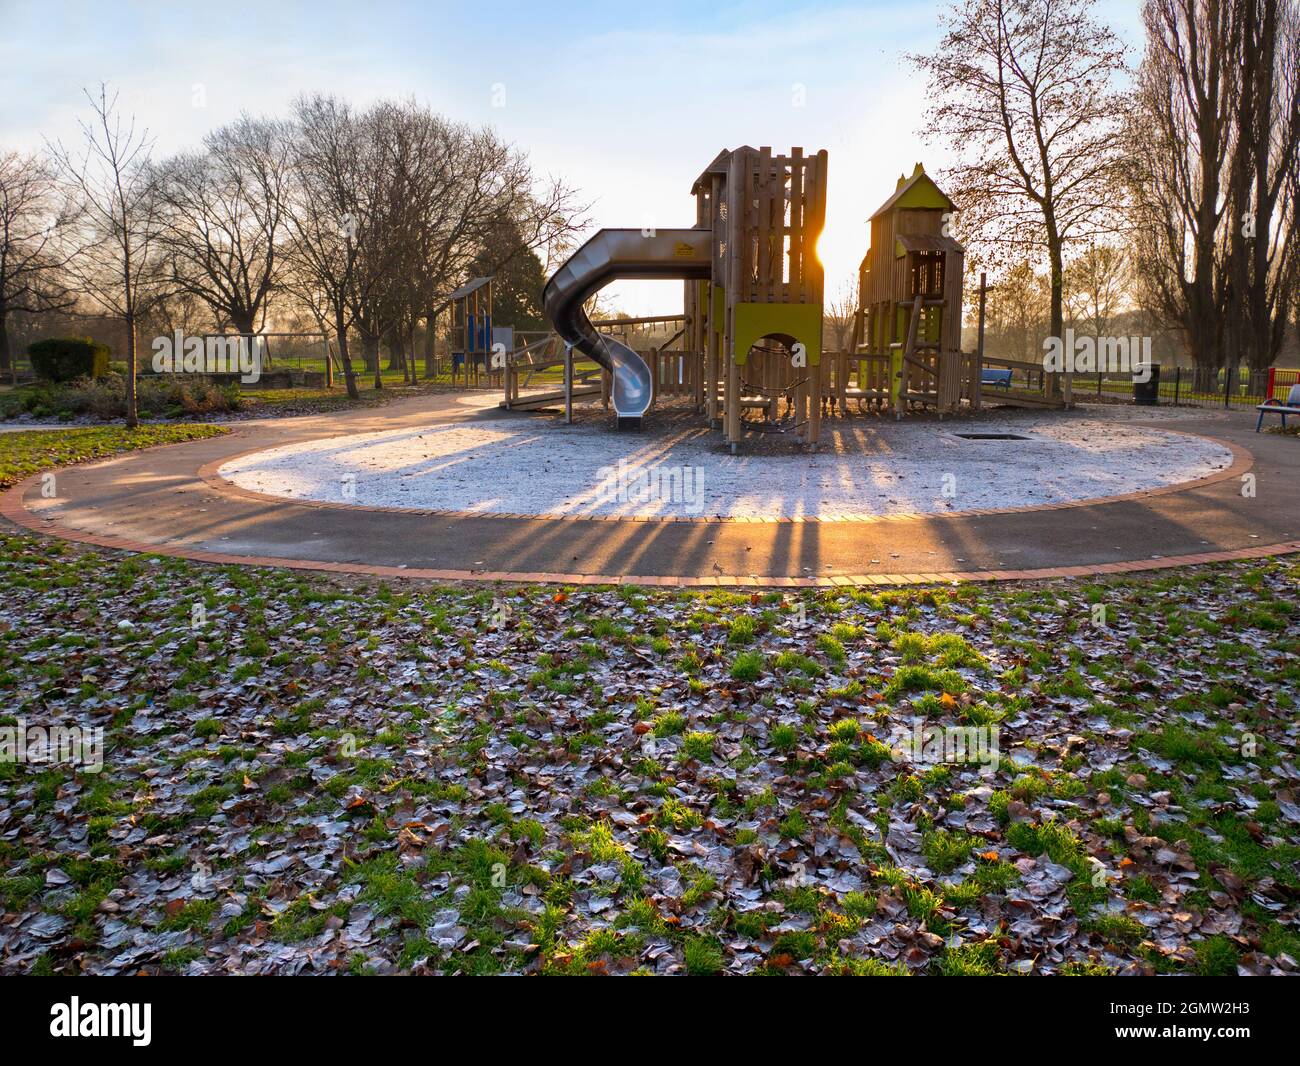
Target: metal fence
1194 386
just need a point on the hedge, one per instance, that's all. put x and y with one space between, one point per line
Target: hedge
66 358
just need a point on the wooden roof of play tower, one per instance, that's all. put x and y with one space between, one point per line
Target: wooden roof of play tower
917 193
911 220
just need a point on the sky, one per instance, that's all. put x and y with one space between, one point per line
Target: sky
628 102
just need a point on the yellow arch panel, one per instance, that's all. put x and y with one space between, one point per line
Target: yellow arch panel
754 321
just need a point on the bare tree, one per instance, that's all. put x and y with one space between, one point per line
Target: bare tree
407 155
1178 138
1017 313
1023 89
469 190
1097 287
329 217
840 310
33 219
437 195
1263 237
392 206
115 254
175 309
225 218
1213 139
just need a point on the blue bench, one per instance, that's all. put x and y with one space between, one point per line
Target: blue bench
998 378
1274 406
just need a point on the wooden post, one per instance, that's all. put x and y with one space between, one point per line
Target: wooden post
568 385
487 337
697 368
474 337
909 349
737 236
815 415
711 370
731 403
977 376
713 328
798 263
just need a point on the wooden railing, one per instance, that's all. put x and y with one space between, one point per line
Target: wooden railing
677 373
861 377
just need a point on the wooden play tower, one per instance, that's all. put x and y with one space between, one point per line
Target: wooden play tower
909 300
758 317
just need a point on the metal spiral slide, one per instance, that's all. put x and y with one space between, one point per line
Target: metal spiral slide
621 253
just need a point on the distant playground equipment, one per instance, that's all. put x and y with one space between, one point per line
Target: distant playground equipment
472 338
545 352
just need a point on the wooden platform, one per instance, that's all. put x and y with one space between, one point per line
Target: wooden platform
538 401
1020 398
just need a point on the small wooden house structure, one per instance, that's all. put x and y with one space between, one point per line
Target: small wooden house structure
909 302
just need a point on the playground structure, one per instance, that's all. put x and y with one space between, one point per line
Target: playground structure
906 348
472 338
747 349
538 355
906 343
753 293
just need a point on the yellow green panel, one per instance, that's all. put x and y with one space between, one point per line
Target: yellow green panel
927 329
753 321
719 308
924 194
933 321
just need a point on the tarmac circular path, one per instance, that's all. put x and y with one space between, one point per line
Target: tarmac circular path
171 501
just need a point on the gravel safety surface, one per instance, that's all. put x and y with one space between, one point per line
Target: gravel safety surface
530 466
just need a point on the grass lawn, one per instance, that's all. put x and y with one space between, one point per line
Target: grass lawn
316 774
30 451
279 402
261 403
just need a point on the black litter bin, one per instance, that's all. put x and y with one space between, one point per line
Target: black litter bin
1147 393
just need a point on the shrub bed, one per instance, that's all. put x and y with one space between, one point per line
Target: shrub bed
105 398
